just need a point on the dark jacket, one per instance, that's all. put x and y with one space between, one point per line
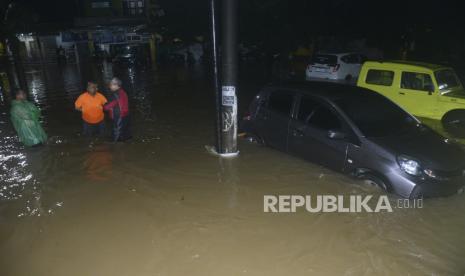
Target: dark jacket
118 107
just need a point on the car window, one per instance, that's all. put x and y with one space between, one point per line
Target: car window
324 59
325 119
354 59
416 81
447 79
362 58
351 59
376 116
380 77
306 108
346 59
281 102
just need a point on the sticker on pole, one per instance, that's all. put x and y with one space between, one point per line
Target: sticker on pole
229 95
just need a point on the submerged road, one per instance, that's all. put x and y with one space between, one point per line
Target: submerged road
161 205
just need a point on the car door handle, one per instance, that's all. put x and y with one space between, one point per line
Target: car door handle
401 93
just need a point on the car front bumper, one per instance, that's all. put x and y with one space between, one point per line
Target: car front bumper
414 187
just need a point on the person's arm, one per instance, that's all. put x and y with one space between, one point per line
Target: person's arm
35 111
110 105
104 100
78 104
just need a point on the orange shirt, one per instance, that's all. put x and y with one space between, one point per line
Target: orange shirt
91 107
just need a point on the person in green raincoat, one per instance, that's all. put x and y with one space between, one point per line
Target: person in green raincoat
25 117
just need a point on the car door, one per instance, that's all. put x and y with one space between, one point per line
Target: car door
308 133
273 118
417 93
353 64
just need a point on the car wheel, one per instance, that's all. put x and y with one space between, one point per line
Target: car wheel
454 123
373 180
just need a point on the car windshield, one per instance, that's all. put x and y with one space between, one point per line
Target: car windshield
324 59
447 79
376 116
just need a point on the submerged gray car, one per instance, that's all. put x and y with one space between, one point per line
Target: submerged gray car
359 132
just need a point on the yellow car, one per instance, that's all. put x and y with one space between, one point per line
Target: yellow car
424 90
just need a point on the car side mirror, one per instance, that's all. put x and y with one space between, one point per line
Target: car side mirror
336 135
430 89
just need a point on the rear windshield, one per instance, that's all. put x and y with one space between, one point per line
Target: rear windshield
376 116
324 59
447 79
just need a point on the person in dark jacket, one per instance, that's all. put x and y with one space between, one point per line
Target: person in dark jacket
118 109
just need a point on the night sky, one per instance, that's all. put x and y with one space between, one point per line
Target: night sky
190 17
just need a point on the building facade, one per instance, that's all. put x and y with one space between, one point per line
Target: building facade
111 12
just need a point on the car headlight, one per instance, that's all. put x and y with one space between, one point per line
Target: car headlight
430 173
409 165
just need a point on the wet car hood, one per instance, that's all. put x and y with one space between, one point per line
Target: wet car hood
456 93
426 146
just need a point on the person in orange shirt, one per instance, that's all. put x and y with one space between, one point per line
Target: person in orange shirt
90 104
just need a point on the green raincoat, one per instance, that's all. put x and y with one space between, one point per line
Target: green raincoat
25 118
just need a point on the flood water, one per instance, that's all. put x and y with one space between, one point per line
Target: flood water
162 205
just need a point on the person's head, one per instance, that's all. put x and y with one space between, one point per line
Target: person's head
19 94
115 84
92 87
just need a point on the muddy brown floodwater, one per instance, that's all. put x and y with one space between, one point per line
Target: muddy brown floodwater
162 205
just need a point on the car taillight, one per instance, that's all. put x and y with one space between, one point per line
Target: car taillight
336 67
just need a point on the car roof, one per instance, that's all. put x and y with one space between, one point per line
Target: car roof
411 64
327 90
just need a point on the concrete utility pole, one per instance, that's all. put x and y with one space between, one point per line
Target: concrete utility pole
216 82
227 102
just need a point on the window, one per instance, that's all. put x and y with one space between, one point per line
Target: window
347 59
324 59
306 108
416 81
447 79
133 7
281 102
376 116
98 4
325 119
352 59
133 38
380 77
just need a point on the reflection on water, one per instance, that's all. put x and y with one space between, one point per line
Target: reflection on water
98 164
14 175
162 205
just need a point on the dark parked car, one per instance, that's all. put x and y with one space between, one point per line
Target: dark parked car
360 132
